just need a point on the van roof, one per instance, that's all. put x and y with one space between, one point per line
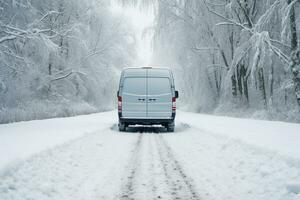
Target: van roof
150 71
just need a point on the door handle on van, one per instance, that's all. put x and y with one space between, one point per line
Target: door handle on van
152 99
141 99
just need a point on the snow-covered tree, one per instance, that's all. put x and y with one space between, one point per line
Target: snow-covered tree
60 57
231 54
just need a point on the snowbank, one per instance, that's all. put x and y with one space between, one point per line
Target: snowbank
281 137
21 140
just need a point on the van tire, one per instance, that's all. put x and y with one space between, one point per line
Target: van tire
122 127
170 127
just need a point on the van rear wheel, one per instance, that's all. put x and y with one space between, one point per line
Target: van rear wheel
170 127
122 127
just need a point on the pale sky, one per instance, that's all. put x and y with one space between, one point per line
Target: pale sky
140 19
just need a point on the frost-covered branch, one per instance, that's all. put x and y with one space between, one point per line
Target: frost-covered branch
276 50
62 77
227 19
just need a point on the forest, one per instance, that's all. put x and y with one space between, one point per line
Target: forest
60 57
230 57
240 57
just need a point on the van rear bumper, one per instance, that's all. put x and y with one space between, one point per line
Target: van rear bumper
146 121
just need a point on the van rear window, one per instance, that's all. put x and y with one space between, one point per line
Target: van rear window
159 86
135 86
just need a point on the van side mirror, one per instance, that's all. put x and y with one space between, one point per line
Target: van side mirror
176 94
118 93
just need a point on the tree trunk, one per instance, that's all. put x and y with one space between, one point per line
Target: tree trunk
239 79
244 81
271 78
295 57
293 26
261 86
217 84
295 67
246 91
210 83
233 85
50 68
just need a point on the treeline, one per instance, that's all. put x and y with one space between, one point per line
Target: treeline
233 56
60 57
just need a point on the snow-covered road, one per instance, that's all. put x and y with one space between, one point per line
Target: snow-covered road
207 158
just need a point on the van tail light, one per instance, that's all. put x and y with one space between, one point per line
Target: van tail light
119 103
173 104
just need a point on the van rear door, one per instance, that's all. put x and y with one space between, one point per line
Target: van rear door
159 97
134 97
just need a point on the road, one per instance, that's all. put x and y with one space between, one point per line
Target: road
149 163
154 172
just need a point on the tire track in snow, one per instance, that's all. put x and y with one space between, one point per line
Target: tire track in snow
180 184
154 173
150 168
128 190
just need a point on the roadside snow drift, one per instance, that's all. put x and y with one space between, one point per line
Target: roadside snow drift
20 140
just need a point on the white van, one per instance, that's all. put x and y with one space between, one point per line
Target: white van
147 96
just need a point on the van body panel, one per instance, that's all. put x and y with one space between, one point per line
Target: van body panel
134 97
159 95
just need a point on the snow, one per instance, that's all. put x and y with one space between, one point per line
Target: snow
280 137
232 158
208 157
21 140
